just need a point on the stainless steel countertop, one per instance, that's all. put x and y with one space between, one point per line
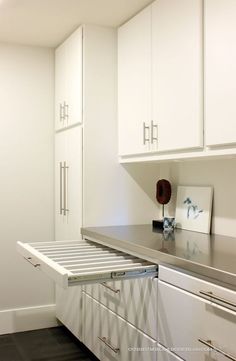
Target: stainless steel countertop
208 255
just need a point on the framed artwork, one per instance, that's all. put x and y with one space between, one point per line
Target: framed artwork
193 208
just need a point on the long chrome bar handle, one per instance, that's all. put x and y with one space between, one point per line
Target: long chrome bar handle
65 190
104 284
61 207
152 132
29 259
105 341
145 128
209 344
217 298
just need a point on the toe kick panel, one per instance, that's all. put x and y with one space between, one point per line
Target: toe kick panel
71 263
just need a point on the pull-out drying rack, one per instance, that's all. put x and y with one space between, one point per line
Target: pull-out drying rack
81 262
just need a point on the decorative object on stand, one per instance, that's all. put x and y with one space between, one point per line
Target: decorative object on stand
168 224
193 208
163 195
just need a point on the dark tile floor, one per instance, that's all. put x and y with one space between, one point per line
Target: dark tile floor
51 344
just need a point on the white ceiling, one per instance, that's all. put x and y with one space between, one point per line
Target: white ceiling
49 22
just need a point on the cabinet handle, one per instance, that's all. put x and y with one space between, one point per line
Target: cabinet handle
65 208
152 132
61 112
66 110
104 284
104 340
217 298
209 344
61 168
145 127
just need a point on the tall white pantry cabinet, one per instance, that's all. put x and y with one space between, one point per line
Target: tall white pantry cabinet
84 112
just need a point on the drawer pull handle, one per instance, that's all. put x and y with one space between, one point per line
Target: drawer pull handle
104 284
217 298
152 132
104 340
145 128
209 344
29 259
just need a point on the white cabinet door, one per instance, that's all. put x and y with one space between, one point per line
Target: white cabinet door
184 319
177 73
69 81
166 355
60 85
68 184
220 72
111 338
134 83
74 100
60 158
74 182
69 309
134 300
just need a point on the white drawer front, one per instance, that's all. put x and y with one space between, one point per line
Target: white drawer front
184 318
134 300
166 355
122 339
69 309
204 288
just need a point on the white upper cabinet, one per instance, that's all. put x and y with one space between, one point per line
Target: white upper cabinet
68 81
134 84
220 72
177 73
160 76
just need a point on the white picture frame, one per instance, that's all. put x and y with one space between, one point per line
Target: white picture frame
193 208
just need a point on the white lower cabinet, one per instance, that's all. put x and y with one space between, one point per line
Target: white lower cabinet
165 355
69 309
192 326
134 300
112 338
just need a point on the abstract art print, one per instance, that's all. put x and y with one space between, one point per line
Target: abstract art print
193 208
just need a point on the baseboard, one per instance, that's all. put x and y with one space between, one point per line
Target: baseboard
26 319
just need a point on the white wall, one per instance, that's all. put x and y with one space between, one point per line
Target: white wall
26 176
221 174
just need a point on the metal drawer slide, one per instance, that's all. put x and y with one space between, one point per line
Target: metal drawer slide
71 263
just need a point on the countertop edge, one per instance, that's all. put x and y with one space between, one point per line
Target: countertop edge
157 257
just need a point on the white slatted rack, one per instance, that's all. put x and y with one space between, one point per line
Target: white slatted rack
80 262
